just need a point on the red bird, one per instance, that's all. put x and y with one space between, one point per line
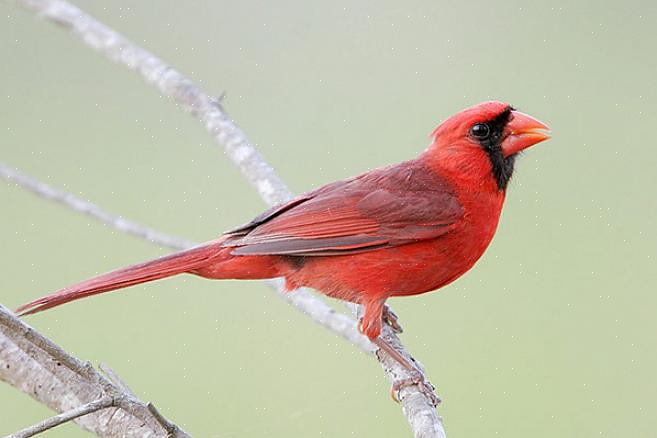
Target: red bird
400 230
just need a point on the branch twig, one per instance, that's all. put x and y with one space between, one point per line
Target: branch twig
55 421
418 409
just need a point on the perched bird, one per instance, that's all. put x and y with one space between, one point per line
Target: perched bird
400 230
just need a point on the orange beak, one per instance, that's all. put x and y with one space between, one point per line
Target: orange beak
523 131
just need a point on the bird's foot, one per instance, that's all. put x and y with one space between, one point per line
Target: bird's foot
389 317
415 376
418 379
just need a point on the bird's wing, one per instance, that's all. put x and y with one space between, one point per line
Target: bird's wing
384 208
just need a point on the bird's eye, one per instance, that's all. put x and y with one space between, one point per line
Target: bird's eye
480 131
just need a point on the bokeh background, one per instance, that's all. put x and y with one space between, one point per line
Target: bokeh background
553 333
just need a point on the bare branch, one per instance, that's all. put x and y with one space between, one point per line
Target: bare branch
115 379
67 416
172 429
416 405
40 368
170 83
73 202
324 315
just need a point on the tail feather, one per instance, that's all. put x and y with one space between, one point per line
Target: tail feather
163 267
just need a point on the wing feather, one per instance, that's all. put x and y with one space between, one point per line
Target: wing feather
378 209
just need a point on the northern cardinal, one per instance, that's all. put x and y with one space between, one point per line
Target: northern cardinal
400 230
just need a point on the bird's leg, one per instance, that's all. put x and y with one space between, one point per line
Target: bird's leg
390 318
416 376
370 325
396 355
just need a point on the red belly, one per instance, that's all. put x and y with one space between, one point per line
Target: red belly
405 270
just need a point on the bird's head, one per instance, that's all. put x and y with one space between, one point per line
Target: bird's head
482 142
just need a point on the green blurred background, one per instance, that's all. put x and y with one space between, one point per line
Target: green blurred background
553 333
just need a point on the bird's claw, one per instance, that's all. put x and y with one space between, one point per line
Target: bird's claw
416 378
389 317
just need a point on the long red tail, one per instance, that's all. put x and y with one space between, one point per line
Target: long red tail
167 266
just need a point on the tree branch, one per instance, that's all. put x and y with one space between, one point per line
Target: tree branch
40 368
170 83
85 207
67 416
417 407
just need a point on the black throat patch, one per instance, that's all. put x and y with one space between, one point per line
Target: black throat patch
502 168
